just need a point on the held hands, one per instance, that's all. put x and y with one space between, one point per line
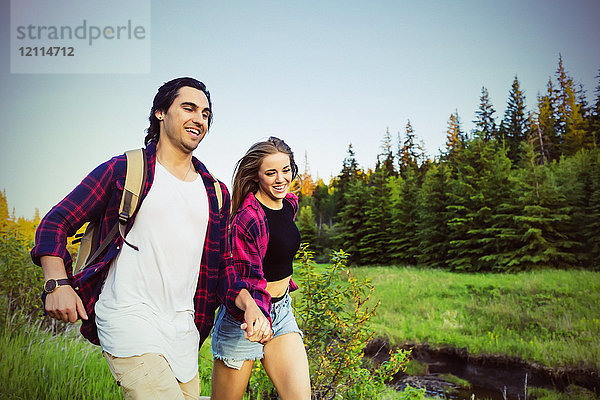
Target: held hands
256 326
65 305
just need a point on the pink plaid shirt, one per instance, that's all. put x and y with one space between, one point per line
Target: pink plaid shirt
249 239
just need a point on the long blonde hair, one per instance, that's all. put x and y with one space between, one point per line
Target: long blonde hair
246 169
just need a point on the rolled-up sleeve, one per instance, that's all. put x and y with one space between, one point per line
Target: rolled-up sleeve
247 260
230 282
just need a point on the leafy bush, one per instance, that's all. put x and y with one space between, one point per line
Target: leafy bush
20 280
333 311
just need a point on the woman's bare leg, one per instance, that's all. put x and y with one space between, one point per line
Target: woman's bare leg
286 363
229 383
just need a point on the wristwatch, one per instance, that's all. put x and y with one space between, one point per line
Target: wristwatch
52 284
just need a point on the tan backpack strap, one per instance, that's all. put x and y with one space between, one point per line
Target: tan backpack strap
133 183
135 180
132 191
218 192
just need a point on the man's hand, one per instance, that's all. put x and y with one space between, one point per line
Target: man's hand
65 305
256 326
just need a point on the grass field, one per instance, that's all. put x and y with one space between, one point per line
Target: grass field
37 365
551 317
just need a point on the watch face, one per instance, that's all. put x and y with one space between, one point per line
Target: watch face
50 286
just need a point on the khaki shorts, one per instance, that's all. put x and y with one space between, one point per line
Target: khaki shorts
149 376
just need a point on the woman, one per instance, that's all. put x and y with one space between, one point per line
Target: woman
264 241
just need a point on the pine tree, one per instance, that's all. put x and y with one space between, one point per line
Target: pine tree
595 116
408 151
575 180
348 175
548 120
432 232
570 114
498 233
403 242
592 226
352 220
385 159
537 139
455 139
514 126
376 234
308 185
308 228
485 122
544 212
545 133
476 192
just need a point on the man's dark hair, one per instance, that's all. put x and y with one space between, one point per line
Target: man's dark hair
164 98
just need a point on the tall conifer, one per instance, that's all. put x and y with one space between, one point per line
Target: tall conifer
570 114
595 116
403 242
485 122
432 233
349 174
385 159
352 219
514 126
476 192
455 138
539 225
408 152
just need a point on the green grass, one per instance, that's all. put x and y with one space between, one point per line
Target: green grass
571 393
456 381
551 317
35 364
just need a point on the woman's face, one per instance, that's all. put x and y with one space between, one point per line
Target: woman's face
274 178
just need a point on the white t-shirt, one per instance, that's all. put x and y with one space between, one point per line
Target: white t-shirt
146 303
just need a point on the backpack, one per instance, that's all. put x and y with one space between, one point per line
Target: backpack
135 181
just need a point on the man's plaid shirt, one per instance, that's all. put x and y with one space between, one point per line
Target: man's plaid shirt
98 197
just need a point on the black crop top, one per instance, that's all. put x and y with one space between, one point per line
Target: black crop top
284 242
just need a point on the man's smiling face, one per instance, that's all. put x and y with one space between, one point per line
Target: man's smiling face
186 122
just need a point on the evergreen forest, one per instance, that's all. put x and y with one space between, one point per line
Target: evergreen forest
519 192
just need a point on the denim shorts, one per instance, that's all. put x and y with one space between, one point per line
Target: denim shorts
228 342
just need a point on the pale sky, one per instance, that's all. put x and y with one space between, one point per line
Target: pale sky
318 74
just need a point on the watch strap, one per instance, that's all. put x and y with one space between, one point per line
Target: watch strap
57 283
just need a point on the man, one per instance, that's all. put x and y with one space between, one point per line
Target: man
150 300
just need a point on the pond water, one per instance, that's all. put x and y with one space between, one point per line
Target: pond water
495 378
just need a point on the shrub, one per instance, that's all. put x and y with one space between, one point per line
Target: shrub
20 280
334 312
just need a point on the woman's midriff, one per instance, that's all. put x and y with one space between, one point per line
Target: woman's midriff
278 288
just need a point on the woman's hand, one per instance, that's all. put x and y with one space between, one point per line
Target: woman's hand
256 326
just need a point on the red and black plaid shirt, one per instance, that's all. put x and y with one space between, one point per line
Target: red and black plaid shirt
249 240
98 197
